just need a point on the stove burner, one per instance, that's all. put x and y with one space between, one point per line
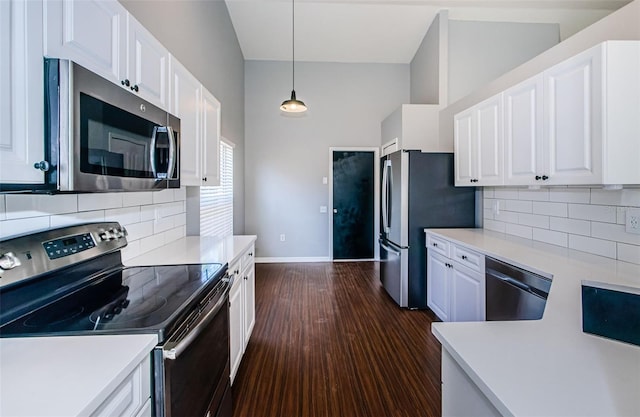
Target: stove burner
47 318
123 314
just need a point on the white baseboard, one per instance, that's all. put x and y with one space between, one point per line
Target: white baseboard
291 259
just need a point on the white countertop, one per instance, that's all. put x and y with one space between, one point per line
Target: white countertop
547 367
65 376
196 250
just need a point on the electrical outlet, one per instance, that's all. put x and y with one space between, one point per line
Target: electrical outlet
633 221
282 238
323 209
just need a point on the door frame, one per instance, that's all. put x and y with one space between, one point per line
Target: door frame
376 196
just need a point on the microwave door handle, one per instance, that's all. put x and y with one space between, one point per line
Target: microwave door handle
172 152
152 151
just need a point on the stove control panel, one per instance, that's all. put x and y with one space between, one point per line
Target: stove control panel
113 233
68 245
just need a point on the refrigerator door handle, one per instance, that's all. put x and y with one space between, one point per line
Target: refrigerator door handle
385 196
389 248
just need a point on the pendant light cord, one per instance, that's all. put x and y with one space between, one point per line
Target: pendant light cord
293 44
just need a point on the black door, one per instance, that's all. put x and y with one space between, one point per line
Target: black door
353 205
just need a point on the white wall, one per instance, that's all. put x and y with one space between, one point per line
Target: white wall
425 67
151 218
287 157
586 219
482 51
201 36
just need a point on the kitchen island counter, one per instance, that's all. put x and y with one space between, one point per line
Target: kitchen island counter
546 367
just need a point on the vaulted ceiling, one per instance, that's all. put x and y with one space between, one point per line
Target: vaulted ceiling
383 31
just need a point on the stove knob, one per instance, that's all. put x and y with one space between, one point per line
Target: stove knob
102 235
9 261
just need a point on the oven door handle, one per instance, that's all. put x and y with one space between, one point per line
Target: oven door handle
177 350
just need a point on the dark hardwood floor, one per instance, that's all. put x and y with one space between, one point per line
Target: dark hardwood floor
329 341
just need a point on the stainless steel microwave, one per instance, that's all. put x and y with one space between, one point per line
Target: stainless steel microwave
101 137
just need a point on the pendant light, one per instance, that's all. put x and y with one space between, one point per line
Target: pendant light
293 105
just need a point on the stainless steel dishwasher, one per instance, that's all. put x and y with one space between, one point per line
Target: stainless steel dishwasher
514 293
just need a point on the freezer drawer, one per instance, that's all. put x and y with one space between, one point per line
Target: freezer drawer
394 262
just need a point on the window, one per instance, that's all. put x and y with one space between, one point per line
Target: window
216 203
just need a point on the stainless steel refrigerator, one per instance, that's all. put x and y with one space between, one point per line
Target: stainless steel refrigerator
417 193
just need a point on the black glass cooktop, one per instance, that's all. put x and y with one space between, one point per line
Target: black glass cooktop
125 300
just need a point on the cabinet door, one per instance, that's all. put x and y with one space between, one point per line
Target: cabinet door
467 294
21 87
236 326
186 105
438 273
523 133
147 64
573 117
464 148
489 142
210 139
89 32
249 303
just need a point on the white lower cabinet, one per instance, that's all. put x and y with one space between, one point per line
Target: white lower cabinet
455 281
242 309
132 398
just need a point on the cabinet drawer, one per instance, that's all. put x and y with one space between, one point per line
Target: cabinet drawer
438 244
468 258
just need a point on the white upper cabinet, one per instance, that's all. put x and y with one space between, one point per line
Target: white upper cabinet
91 33
103 37
573 119
199 114
576 123
147 64
524 159
21 92
478 144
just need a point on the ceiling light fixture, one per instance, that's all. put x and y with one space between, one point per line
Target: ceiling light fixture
293 105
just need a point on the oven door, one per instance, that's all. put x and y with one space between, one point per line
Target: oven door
192 369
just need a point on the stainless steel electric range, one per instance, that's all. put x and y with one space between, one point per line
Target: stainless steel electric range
71 281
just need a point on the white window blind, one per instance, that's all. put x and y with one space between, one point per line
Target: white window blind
216 203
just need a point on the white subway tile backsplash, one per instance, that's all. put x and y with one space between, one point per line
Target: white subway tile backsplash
573 226
534 220
179 219
131 250
163 196
139 230
137 198
550 236
624 197
15 227
2 208
580 217
98 201
593 213
629 253
591 245
151 242
506 216
20 206
494 225
162 225
170 209
77 218
570 195
506 193
536 195
519 230
550 209
519 206
174 234
615 232
124 216
147 213
180 194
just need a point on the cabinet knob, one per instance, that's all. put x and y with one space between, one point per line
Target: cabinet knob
204 179
126 83
464 257
250 253
435 245
134 88
245 277
544 178
538 177
42 166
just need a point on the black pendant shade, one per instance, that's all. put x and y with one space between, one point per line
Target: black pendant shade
293 105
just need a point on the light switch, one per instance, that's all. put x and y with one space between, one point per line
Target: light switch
323 209
324 180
